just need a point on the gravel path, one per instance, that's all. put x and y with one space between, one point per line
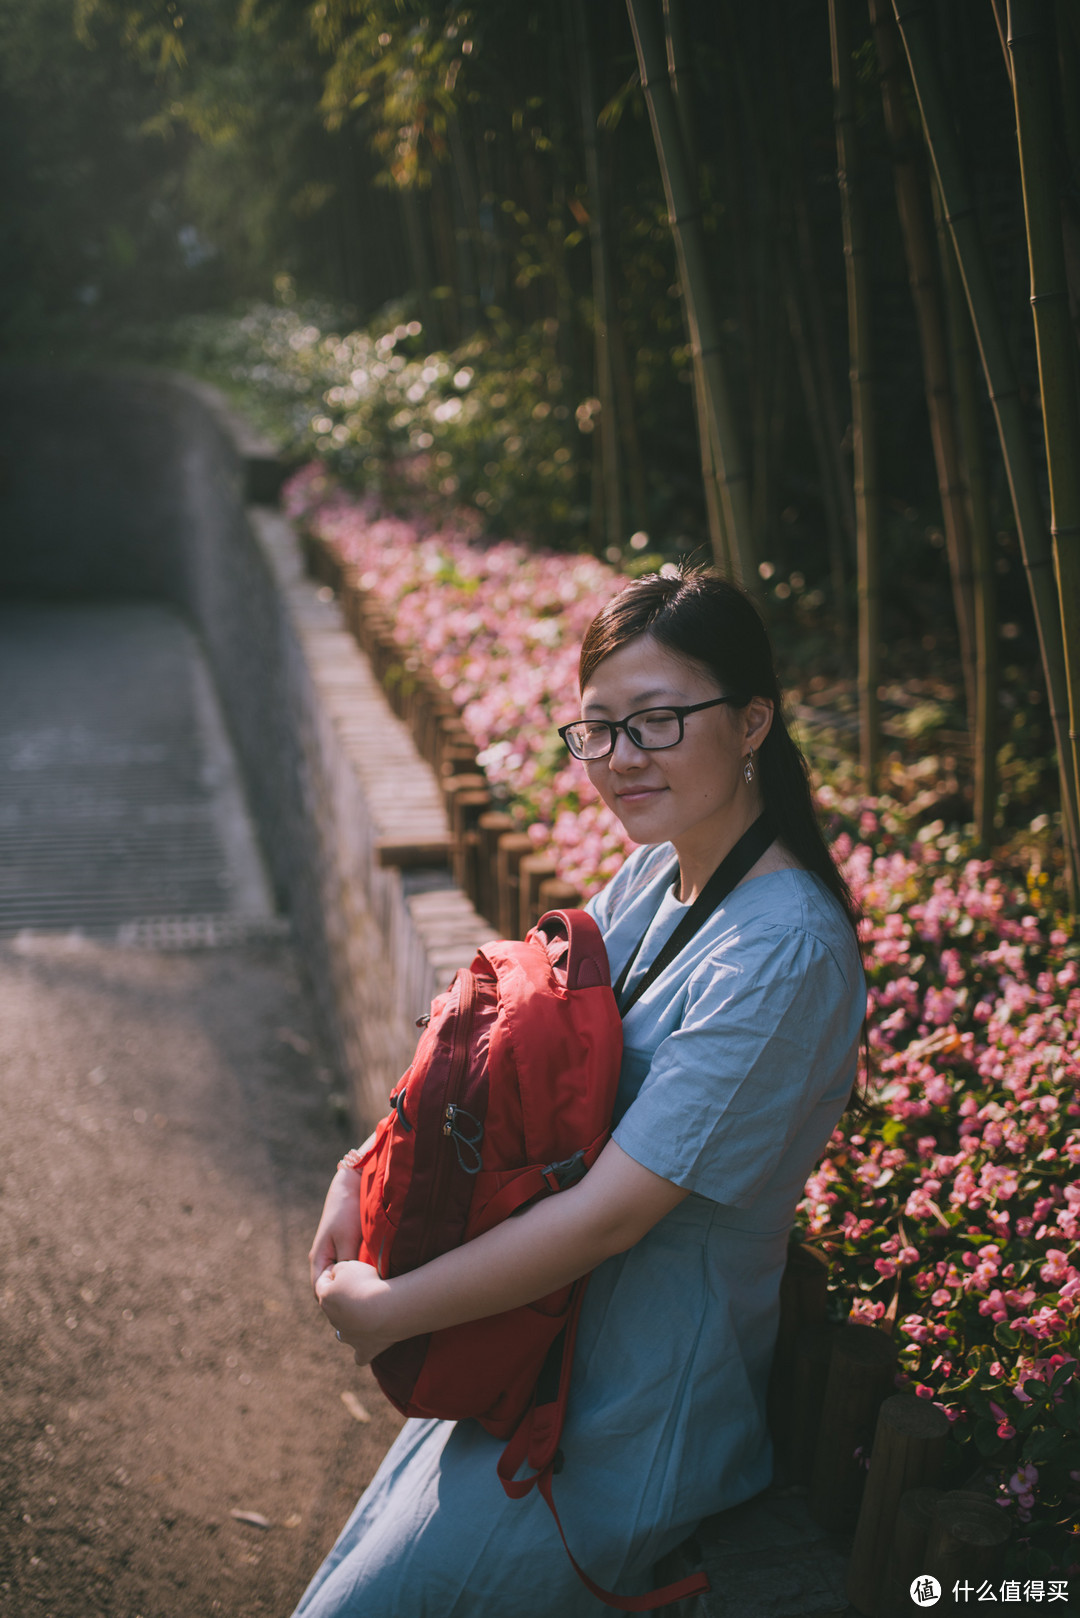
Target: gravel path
169 1130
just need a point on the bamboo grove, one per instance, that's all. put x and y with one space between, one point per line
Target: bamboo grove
812 265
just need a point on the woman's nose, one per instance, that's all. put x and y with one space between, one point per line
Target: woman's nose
625 754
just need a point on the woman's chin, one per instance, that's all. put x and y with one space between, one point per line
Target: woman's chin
643 818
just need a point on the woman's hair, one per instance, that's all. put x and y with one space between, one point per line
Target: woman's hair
706 620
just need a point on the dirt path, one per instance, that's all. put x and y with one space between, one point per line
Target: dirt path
168 1133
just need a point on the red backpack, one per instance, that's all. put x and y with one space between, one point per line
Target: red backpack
508 1099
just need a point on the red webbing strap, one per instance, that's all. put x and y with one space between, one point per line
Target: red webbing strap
694 1584
512 1197
526 1186
537 1439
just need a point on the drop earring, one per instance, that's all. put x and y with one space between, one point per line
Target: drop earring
748 769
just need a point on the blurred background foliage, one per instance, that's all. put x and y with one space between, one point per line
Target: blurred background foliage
338 209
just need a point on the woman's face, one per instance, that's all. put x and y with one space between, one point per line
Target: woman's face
694 794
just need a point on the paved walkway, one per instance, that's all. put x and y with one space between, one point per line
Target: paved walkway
169 1127
120 801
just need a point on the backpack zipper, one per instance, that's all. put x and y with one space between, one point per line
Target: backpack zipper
459 1069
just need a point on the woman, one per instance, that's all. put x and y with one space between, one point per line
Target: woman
739 1059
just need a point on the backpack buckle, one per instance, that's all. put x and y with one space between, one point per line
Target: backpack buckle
559 1176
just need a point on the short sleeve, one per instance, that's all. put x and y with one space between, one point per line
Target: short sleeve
629 882
769 1030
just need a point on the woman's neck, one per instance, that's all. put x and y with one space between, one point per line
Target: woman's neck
702 849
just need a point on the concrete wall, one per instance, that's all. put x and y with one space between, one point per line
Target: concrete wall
134 484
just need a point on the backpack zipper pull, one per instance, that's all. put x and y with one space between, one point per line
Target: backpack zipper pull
466 1141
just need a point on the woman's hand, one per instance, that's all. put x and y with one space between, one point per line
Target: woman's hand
350 1295
338 1236
537 1252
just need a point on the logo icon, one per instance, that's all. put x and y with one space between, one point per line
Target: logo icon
925 1591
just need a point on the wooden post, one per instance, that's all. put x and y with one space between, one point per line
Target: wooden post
810 1376
513 848
907 1553
491 826
909 1448
467 809
453 784
457 759
534 869
802 1303
438 707
353 597
370 623
555 894
860 1376
452 735
966 1540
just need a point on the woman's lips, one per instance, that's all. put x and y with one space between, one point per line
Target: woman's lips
638 794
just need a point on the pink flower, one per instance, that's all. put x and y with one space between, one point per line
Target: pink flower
1057 1268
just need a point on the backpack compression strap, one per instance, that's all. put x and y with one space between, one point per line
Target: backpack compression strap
536 1441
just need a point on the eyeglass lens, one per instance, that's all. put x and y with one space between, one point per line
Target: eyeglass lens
653 730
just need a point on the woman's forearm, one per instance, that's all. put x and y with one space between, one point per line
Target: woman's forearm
530 1255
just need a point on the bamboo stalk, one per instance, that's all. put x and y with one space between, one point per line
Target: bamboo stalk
821 349
729 467
815 417
969 421
940 403
1001 384
610 470
1033 89
1068 41
863 409
680 77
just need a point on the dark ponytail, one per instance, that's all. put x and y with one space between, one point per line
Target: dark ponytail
708 621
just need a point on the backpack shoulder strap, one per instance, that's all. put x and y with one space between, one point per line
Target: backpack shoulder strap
728 874
536 1442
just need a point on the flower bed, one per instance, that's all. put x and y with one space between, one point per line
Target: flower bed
950 1210
499 626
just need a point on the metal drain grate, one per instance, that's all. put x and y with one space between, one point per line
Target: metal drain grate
120 811
202 932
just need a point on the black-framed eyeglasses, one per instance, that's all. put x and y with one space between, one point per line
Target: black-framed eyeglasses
651 729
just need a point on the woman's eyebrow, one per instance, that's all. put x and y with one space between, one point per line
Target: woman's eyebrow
642 699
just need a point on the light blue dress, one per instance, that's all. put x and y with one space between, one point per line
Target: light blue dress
739 1060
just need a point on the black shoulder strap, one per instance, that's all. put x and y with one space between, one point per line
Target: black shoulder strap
731 870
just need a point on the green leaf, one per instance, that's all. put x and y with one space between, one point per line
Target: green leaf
1005 1336
1025 1416
986 1437
1042 1445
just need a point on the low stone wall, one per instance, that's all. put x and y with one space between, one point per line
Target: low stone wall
137 484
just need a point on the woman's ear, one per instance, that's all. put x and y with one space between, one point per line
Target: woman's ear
757 721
